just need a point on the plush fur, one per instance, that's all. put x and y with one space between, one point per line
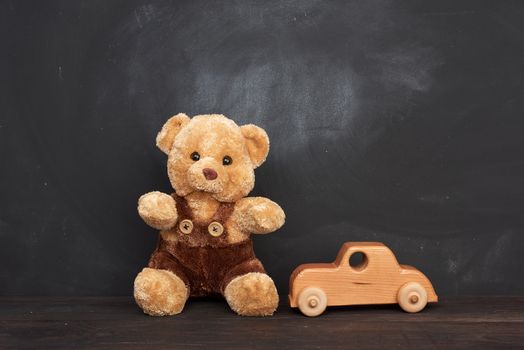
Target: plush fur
211 162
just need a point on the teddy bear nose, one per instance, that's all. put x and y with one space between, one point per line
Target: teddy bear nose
209 174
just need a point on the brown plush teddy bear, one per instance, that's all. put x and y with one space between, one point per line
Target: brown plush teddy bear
204 246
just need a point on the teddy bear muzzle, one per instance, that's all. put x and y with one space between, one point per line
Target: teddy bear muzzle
204 176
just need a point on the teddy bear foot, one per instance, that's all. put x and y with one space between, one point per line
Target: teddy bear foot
160 292
252 294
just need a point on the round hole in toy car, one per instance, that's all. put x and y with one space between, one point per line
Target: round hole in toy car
312 301
358 261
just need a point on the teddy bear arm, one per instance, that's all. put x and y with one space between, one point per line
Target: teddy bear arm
258 215
158 210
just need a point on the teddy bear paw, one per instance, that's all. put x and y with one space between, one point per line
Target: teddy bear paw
252 294
160 292
262 215
158 210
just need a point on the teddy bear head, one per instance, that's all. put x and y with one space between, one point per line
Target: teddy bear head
212 154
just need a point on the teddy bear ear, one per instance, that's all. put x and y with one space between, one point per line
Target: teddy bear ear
257 143
166 136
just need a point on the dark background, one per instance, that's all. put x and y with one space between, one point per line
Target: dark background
395 121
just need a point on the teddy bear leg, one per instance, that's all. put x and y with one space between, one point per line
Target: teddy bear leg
252 294
160 292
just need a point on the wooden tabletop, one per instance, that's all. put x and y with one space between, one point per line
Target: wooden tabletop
116 323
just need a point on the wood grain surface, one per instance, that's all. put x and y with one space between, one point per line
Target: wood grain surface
377 279
116 323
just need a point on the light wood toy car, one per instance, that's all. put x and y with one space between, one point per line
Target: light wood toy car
377 279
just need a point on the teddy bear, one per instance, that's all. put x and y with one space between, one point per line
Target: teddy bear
204 245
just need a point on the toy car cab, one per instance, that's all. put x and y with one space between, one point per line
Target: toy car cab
377 279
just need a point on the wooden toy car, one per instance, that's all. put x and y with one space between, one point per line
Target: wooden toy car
377 279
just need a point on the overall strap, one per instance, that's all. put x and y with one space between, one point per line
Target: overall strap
224 212
212 233
183 210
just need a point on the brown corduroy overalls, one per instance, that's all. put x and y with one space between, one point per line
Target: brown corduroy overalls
201 257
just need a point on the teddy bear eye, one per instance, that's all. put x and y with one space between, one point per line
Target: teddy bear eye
195 156
227 160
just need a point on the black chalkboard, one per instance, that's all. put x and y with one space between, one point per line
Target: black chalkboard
395 121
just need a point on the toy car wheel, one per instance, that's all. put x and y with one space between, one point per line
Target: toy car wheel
412 297
312 301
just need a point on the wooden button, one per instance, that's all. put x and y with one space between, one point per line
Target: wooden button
215 229
186 226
